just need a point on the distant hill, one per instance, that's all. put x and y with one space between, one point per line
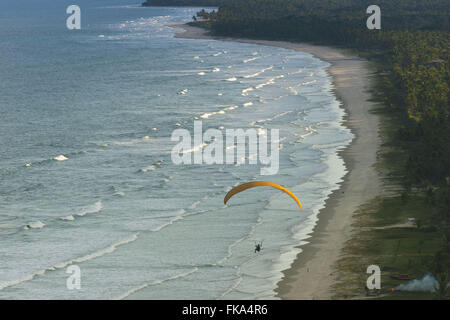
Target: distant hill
182 3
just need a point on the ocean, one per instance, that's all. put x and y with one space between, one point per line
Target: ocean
86 176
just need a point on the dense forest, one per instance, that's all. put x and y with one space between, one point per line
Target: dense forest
333 20
411 52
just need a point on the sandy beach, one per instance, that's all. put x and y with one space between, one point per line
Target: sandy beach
312 274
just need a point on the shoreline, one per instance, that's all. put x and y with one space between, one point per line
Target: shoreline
311 275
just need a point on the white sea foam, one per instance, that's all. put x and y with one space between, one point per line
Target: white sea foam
269 82
95 208
308 82
194 149
98 253
230 108
309 131
248 104
258 73
251 59
155 282
62 265
178 217
246 91
303 136
60 158
34 225
147 169
305 83
206 115
209 114
231 79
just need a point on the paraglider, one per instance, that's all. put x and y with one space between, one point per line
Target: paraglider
245 186
249 185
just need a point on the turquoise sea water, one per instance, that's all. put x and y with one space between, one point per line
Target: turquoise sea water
105 99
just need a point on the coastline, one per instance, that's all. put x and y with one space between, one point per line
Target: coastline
312 274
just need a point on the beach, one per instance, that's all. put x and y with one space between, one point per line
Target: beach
312 274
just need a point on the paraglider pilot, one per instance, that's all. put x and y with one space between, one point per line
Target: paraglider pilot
258 247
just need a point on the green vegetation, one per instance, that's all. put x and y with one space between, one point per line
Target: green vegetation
333 21
384 238
411 53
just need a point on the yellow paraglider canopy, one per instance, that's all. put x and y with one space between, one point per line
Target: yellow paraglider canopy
249 185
